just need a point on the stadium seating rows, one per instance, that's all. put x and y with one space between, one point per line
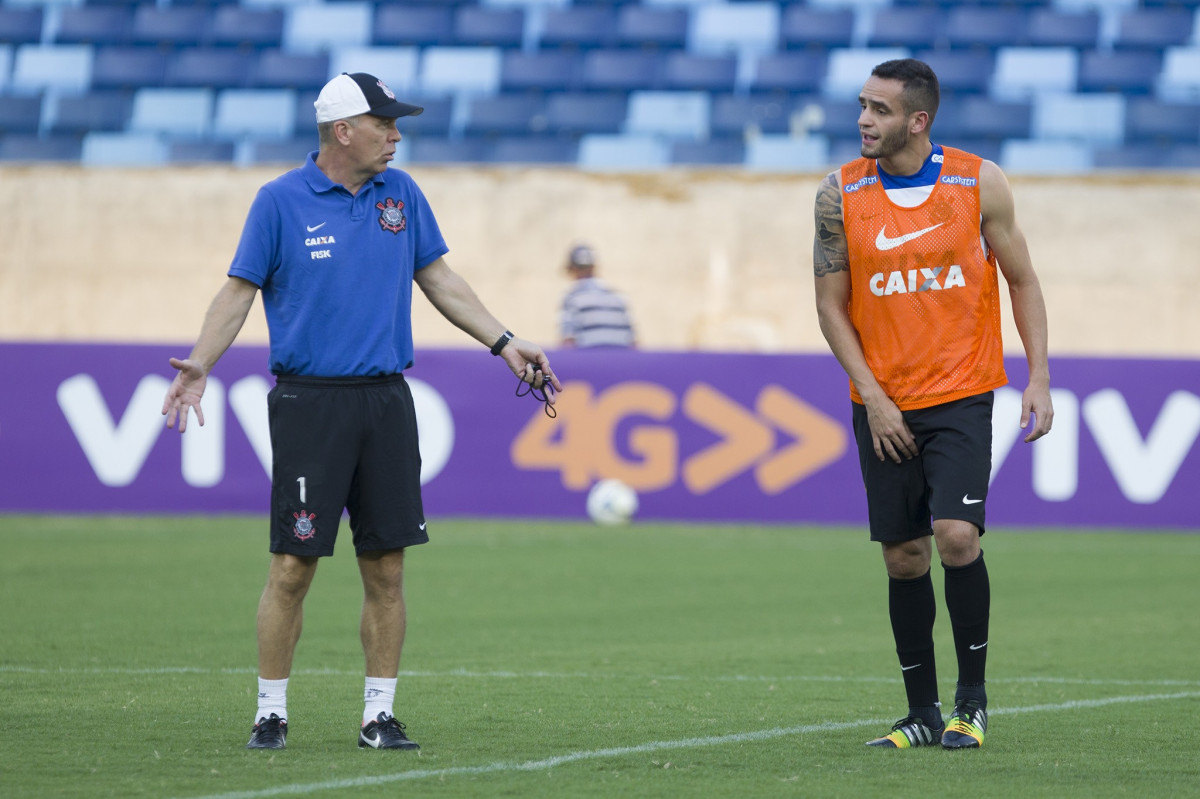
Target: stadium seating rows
1043 85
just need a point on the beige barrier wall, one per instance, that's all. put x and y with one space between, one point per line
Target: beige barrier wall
714 260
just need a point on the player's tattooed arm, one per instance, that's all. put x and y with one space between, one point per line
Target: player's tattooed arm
830 253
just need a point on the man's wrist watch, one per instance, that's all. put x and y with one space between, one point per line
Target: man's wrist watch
502 342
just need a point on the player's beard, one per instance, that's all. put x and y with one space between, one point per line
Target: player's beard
887 146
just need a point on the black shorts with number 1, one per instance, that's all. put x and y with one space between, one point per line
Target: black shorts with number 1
344 443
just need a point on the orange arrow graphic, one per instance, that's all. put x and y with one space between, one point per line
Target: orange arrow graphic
820 440
746 439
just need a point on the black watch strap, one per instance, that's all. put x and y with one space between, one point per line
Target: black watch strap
502 342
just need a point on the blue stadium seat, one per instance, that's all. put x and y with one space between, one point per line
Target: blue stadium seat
579 26
304 123
1131 157
323 26
734 27
123 149
285 151
200 152
413 25
713 73
734 115
806 26
916 27
534 150
1042 157
506 114
20 114
1053 28
545 71
495 27
1022 72
787 154
652 26
988 119
622 70
712 152
584 113
21 25
435 120
25 148
398 67
600 151
104 111
827 117
675 115
254 113
1180 78
800 71
1155 28
128 67
471 70
216 68
239 26
1184 156
170 26
94 25
961 71
185 113
991 27
1089 118
438 150
64 67
1153 121
848 70
275 69
1127 71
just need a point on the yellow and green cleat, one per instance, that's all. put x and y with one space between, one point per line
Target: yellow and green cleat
966 726
909 732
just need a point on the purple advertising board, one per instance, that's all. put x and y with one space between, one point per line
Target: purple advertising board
700 436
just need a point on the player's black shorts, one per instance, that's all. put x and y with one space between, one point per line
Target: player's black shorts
947 480
344 443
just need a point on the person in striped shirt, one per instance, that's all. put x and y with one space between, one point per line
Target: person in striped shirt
593 314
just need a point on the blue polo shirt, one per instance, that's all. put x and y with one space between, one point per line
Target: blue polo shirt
336 270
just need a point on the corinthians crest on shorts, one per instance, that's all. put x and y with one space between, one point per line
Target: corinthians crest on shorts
391 215
304 529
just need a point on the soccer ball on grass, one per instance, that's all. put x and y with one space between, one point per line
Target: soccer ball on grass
611 502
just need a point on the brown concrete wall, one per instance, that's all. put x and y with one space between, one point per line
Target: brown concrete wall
714 260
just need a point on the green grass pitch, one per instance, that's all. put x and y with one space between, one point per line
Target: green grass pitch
557 659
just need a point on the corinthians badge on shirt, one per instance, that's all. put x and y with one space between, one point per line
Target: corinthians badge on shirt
303 529
391 215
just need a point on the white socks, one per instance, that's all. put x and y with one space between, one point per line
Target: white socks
378 695
272 698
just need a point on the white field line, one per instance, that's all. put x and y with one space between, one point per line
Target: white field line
581 675
655 746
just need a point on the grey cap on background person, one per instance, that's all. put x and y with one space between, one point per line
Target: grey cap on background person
351 94
581 257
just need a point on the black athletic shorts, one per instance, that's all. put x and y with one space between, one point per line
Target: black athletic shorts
344 443
947 480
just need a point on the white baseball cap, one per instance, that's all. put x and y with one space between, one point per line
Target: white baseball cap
351 94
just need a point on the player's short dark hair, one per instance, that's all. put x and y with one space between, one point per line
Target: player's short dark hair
921 89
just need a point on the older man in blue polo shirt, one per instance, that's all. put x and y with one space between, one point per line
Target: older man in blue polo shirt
335 246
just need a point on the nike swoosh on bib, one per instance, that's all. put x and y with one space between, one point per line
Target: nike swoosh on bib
883 242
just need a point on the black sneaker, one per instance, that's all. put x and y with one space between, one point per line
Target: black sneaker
385 733
966 727
909 732
269 733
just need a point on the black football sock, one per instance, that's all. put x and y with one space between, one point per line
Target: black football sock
912 607
968 600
